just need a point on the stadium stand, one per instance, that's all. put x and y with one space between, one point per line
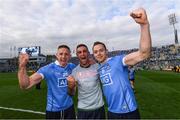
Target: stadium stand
162 58
36 61
8 64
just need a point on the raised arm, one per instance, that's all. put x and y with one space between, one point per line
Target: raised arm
144 51
26 82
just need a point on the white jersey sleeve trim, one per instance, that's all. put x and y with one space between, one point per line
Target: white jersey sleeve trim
56 62
41 75
123 61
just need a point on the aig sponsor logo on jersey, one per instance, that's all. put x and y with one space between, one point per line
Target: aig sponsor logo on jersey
105 76
106 79
62 82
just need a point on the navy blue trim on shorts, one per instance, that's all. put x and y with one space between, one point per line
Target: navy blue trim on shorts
130 115
69 113
132 79
91 114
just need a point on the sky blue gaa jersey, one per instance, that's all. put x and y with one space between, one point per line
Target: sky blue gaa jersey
55 76
116 86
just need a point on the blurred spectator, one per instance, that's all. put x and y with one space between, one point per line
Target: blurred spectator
131 76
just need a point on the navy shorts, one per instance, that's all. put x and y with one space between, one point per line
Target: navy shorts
131 79
130 115
91 114
69 113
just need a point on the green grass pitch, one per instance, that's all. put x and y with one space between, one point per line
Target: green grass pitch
157 93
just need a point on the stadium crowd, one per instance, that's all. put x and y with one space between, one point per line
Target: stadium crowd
162 58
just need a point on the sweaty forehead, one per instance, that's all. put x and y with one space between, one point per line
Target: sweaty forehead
99 46
64 50
81 48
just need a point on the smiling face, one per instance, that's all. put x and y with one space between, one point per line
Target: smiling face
100 53
83 55
63 55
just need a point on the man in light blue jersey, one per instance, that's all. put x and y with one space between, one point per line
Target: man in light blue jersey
59 102
114 72
90 99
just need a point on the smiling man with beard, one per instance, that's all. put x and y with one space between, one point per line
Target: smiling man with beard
90 100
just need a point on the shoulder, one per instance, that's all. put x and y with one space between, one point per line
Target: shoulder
120 56
71 65
115 58
118 59
77 68
46 66
50 65
95 66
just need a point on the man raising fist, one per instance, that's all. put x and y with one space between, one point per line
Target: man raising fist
114 72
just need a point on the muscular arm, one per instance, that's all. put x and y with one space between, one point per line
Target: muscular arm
26 82
144 51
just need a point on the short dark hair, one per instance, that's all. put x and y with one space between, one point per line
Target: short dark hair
97 43
81 45
64 46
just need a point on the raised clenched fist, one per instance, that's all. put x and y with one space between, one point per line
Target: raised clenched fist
139 15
